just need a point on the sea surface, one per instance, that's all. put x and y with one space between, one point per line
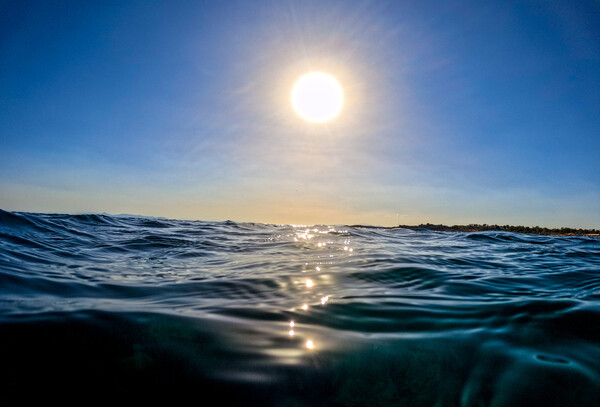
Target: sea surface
279 315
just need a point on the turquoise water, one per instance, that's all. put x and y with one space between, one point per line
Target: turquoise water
131 306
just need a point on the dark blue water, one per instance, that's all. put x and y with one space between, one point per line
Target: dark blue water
129 306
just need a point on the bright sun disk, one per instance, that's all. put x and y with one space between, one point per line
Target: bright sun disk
317 97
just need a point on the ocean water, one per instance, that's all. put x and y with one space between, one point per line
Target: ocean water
114 306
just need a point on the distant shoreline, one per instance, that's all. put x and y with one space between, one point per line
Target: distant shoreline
534 230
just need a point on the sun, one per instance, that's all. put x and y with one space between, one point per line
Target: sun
317 97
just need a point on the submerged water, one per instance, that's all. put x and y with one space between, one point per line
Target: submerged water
130 306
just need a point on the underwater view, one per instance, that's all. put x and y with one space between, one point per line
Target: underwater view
284 315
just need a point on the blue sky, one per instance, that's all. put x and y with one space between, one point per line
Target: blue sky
456 111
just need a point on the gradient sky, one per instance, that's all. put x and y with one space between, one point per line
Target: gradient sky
456 111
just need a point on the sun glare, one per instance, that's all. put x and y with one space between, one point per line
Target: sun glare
317 97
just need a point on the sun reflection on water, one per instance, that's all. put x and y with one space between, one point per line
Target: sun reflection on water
315 238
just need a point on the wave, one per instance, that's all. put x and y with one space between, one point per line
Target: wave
141 305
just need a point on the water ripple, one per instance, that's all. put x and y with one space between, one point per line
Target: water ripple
298 315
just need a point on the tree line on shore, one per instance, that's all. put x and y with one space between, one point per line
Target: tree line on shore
535 230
